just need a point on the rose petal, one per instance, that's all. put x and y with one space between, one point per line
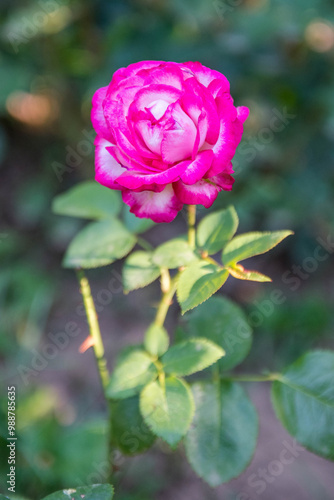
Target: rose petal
107 169
202 193
179 136
135 179
160 207
197 169
97 116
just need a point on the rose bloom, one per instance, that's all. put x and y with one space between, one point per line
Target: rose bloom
166 135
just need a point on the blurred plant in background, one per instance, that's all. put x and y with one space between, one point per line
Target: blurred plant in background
278 56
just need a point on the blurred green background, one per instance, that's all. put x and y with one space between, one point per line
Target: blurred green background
279 58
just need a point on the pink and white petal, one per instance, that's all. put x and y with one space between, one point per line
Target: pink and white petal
107 169
97 116
205 75
201 193
160 207
242 112
229 137
156 98
133 69
166 74
202 99
197 169
224 181
135 179
179 135
218 87
151 134
130 164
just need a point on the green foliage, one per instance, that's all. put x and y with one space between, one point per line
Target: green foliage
224 323
191 356
134 224
94 492
133 371
174 253
139 271
156 340
216 229
129 433
222 438
88 200
198 282
168 408
303 399
99 244
251 244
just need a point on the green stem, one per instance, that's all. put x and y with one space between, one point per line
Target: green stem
165 302
252 378
94 328
191 225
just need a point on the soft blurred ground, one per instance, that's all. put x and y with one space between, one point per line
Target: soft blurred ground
279 57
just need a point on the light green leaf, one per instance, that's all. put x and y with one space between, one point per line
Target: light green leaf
174 253
135 224
251 244
198 282
99 244
133 371
156 340
139 271
168 410
191 356
224 323
303 398
88 200
239 272
129 433
222 438
93 492
216 229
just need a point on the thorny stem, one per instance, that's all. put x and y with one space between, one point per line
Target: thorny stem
191 225
94 328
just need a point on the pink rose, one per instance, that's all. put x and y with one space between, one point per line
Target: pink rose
166 135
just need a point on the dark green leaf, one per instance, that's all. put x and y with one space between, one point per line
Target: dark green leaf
139 271
88 200
133 371
93 492
156 340
223 322
129 432
251 244
174 253
198 282
99 244
191 356
216 229
303 399
168 409
222 438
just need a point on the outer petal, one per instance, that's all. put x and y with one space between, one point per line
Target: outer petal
201 193
243 113
135 180
97 116
205 75
160 207
107 169
197 169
